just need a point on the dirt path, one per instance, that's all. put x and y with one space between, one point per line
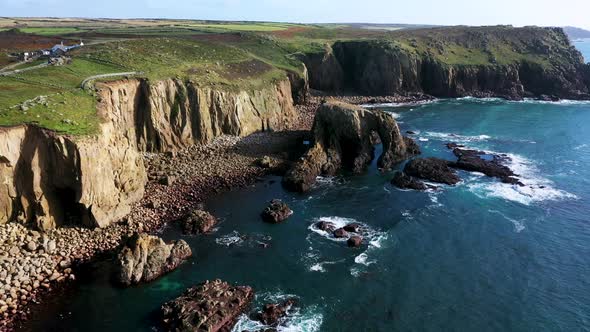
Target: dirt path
18 71
95 77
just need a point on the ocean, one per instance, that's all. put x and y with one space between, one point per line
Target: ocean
481 255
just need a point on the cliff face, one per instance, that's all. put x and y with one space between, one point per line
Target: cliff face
52 180
388 68
173 114
344 139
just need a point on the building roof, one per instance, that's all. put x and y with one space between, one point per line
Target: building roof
59 47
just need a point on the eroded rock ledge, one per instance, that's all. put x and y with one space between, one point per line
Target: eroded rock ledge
344 139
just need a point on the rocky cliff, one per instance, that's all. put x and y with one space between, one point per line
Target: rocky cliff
51 180
344 139
505 62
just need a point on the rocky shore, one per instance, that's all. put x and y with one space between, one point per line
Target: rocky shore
32 264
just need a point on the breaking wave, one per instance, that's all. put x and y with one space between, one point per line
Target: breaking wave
536 188
308 319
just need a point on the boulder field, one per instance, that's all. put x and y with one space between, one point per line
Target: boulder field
344 139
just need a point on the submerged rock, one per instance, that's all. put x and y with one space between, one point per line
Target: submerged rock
198 222
432 169
147 257
344 137
211 306
276 212
354 241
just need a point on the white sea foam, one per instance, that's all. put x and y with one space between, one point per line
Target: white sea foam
296 320
456 137
434 199
236 239
338 222
363 259
518 224
230 239
563 102
395 105
536 188
422 139
375 239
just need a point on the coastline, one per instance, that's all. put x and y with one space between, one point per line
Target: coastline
199 171
195 173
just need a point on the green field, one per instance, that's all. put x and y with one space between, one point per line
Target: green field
50 31
257 27
247 64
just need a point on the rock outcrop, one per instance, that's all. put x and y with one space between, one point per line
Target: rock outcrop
441 171
489 164
212 306
198 222
146 257
344 140
272 313
538 62
404 181
276 212
50 180
432 169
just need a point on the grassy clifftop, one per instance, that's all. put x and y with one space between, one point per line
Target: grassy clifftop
244 63
489 45
229 56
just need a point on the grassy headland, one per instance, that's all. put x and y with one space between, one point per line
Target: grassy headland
228 55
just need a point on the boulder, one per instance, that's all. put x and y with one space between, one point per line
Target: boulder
344 137
432 169
211 306
340 233
146 257
32 246
326 226
276 212
353 227
272 313
198 222
355 241
264 162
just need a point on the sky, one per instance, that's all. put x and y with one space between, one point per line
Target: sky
439 12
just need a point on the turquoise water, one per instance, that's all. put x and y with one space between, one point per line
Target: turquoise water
583 45
480 256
